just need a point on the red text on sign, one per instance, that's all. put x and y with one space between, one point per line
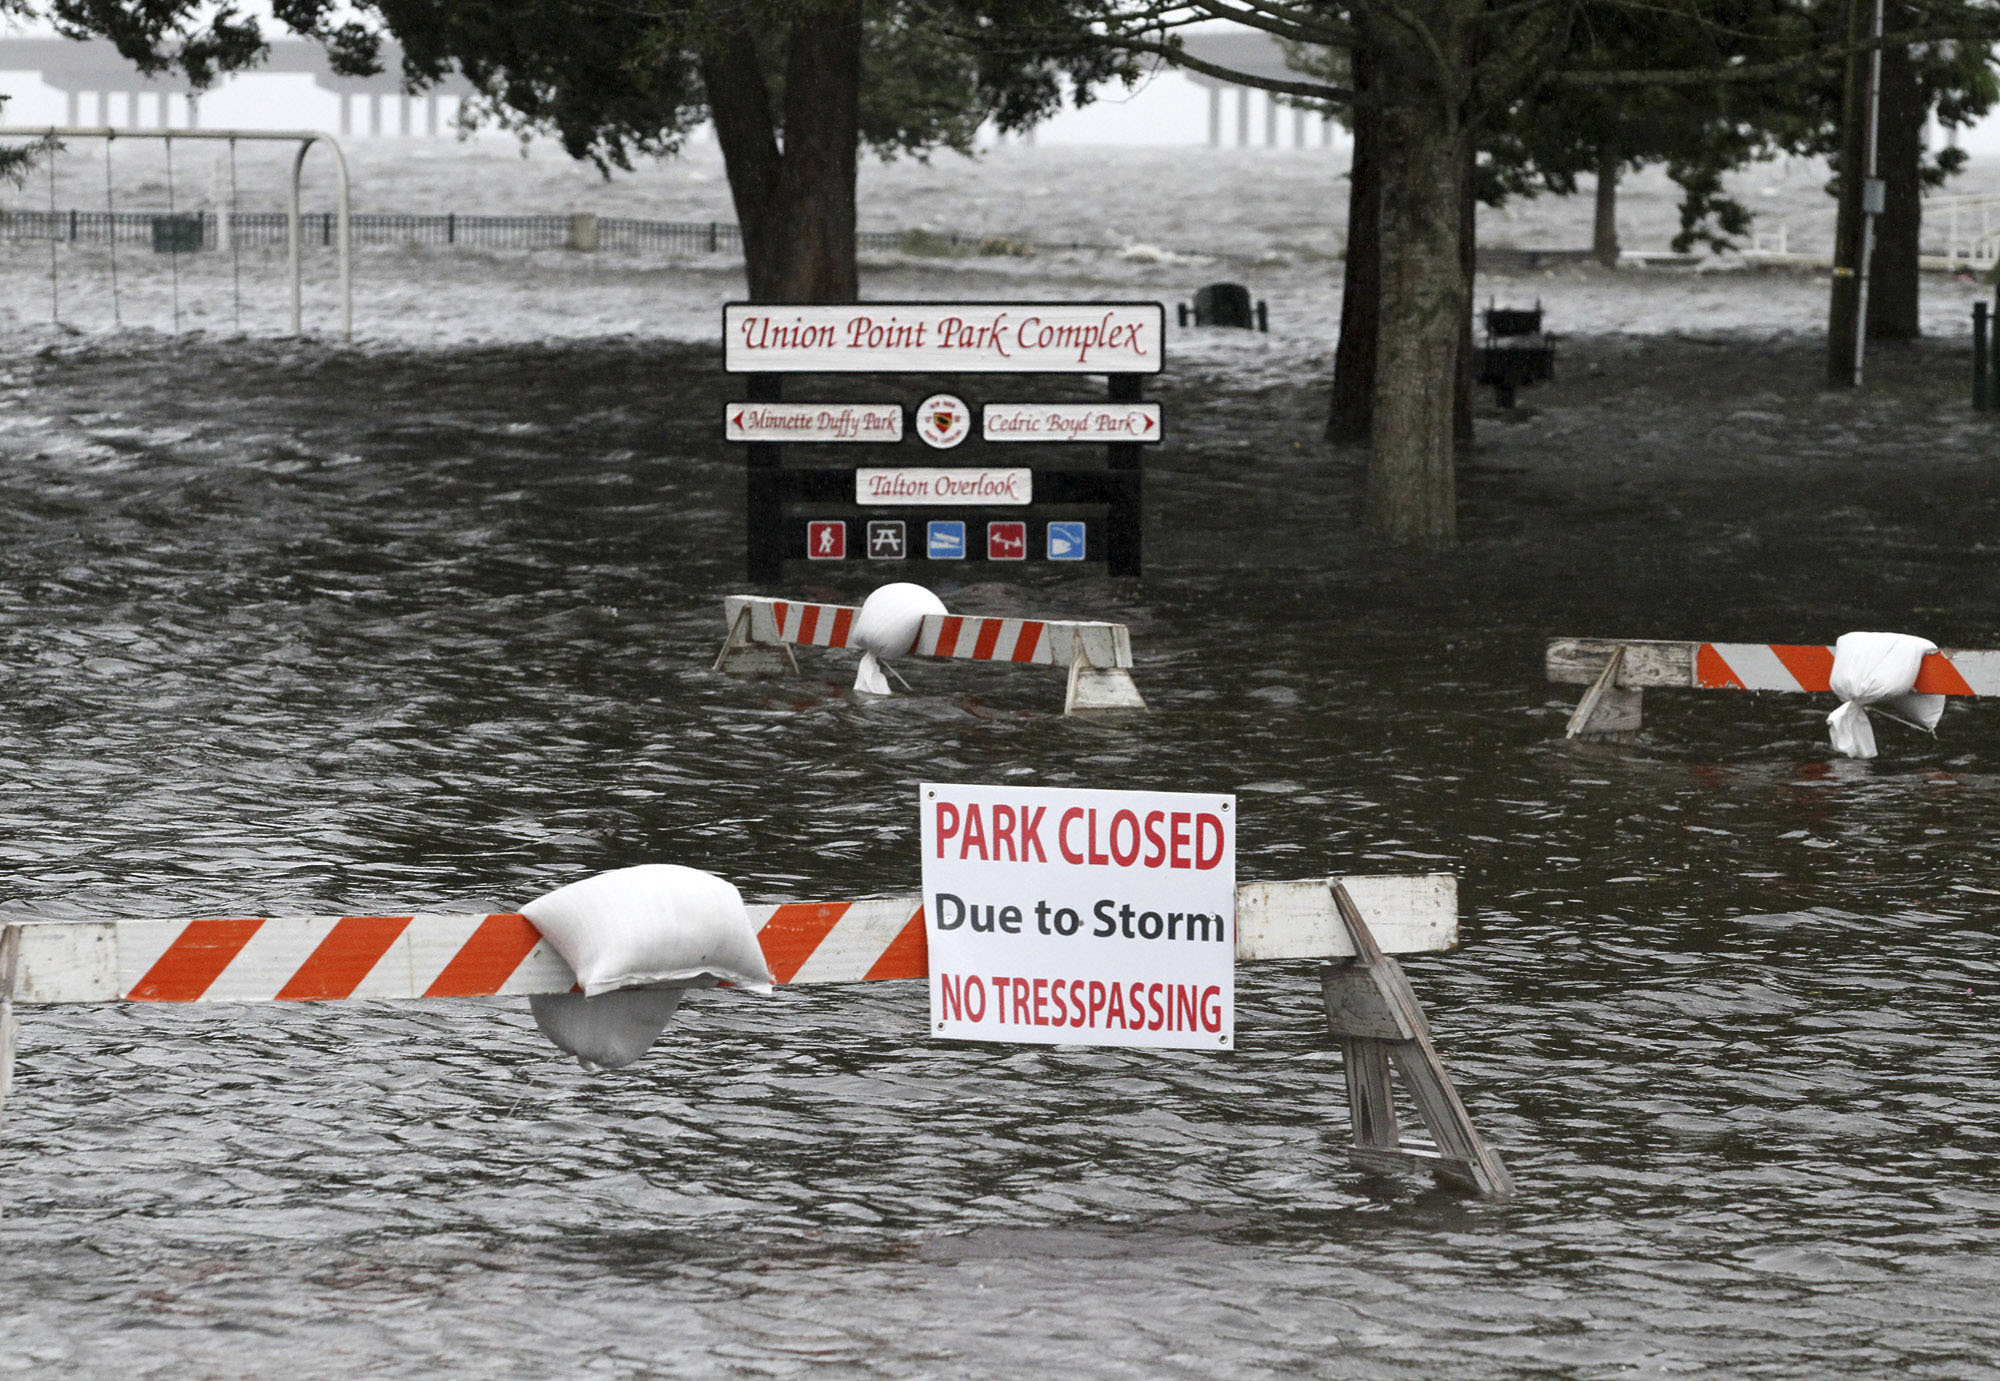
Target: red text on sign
1079 1003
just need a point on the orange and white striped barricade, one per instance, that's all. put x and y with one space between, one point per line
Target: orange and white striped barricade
1098 656
440 955
1618 670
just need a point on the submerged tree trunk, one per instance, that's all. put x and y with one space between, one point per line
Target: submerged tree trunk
1353 410
1893 269
1604 228
795 203
1425 300
1468 267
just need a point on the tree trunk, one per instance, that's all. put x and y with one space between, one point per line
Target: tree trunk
1468 266
1425 301
796 204
1604 229
1893 269
1361 279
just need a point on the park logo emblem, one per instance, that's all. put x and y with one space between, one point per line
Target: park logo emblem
943 420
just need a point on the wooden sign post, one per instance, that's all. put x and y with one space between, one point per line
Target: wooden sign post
988 509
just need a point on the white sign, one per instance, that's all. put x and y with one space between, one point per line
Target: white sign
943 421
1070 422
945 338
961 484
1062 917
813 422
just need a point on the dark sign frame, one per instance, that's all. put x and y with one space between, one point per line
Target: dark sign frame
775 534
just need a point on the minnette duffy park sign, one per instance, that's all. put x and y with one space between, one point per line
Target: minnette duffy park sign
945 338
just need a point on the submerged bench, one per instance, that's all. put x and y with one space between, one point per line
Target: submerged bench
1619 670
1098 656
1369 1004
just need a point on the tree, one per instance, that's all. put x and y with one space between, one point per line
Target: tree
795 87
1448 75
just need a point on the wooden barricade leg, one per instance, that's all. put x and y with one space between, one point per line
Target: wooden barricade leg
1095 688
741 657
10 965
1372 1009
1607 709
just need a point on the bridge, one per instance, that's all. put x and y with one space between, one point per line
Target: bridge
96 68
1259 55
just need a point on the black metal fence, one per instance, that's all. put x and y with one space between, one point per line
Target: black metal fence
481 232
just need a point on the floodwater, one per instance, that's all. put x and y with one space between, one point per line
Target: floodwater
291 628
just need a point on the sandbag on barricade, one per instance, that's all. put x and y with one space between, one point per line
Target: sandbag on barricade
637 940
887 627
1878 669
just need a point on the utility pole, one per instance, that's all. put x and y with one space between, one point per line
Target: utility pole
1860 198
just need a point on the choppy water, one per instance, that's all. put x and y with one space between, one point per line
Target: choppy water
288 629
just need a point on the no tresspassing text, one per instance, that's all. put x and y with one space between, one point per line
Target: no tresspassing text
1082 1004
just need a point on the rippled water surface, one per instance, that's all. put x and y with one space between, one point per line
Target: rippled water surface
292 629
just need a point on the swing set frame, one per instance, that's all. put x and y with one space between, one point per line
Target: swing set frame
305 139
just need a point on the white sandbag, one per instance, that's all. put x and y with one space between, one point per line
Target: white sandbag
608 1031
892 617
869 677
1878 669
649 926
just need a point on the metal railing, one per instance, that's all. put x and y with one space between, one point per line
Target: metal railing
1972 228
555 231
337 222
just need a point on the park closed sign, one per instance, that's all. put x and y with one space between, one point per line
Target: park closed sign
1084 917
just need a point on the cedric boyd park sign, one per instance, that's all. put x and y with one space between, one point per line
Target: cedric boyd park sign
1061 917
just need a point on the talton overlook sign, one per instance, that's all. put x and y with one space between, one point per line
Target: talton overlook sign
996 510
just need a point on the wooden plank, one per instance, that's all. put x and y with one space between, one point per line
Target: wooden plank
1461 1153
1605 709
1580 661
10 968
1371 1100
752 620
1979 671
318 958
1413 1157
1409 914
1358 1008
68 961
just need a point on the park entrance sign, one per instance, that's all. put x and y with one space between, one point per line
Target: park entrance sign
1084 917
977 507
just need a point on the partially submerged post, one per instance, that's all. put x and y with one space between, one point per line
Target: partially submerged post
10 966
1372 1009
432 955
1098 656
1619 670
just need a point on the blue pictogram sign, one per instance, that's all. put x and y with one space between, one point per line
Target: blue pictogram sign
1066 541
946 540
